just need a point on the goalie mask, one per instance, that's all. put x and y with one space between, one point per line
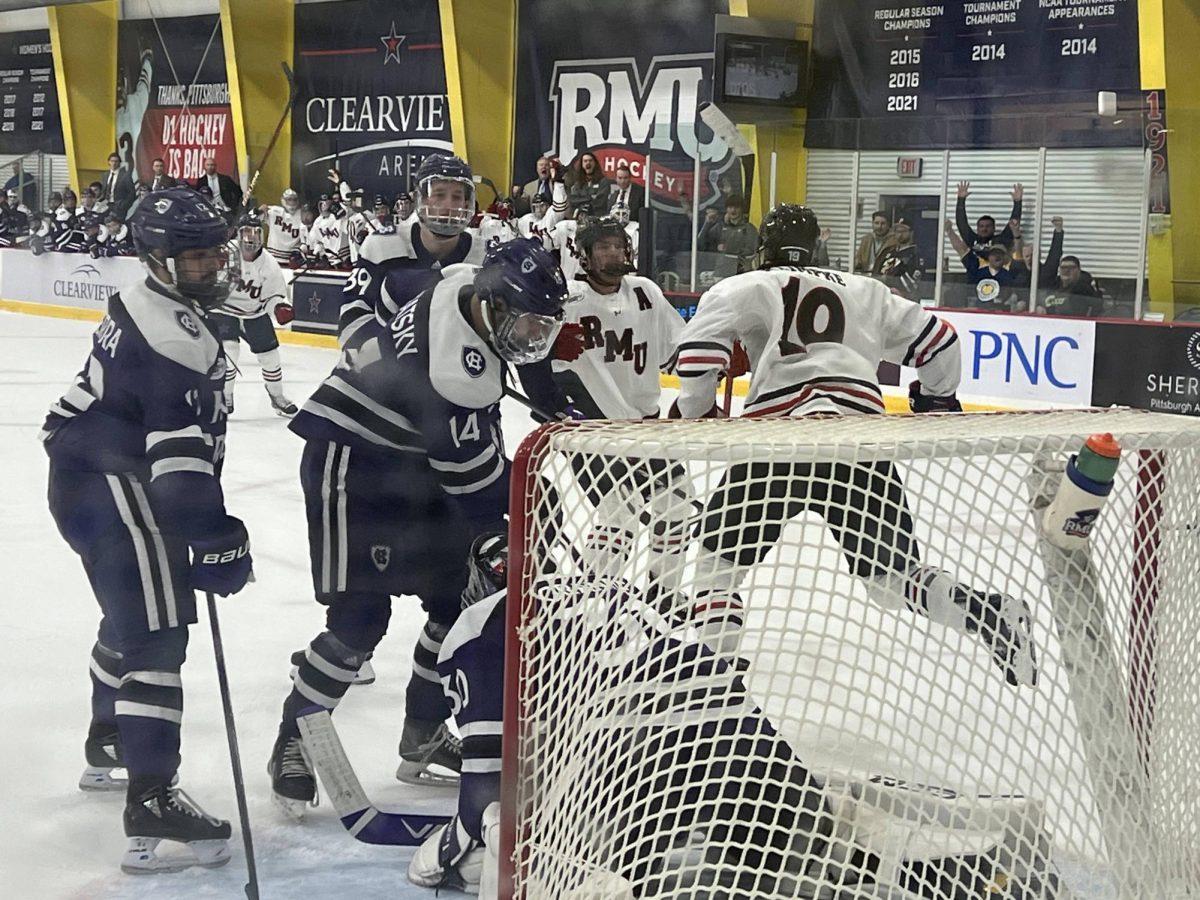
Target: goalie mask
183 242
445 194
523 291
788 236
605 249
487 567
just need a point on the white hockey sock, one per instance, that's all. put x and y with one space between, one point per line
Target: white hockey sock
606 549
717 611
272 372
923 589
232 349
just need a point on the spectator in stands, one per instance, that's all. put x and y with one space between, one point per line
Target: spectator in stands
709 236
821 254
160 180
739 238
992 279
1074 293
118 189
590 187
900 267
543 185
873 245
1022 266
626 193
114 239
226 193
984 234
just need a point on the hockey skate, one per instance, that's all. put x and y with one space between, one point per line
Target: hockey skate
282 405
103 752
365 675
164 813
293 784
1003 622
424 745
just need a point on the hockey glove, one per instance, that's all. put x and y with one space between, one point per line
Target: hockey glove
296 259
221 564
924 403
570 344
284 313
714 413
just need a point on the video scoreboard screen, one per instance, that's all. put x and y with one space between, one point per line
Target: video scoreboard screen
884 58
29 118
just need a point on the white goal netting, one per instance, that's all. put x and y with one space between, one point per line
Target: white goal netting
762 659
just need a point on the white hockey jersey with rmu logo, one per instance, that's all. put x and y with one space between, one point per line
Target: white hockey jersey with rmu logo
815 339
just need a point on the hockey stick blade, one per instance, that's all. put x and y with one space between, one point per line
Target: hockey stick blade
722 126
359 816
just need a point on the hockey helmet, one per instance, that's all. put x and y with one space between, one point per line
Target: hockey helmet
250 233
487 567
788 236
523 291
438 206
290 200
592 232
382 208
324 204
169 223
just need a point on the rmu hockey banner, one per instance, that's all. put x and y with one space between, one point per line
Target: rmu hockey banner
577 90
173 96
29 112
370 94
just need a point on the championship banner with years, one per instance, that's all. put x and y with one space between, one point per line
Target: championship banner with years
370 95
29 118
173 97
576 92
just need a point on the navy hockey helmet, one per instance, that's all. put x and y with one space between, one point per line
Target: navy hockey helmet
788 236
439 207
381 206
595 230
487 567
523 291
170 223
250 232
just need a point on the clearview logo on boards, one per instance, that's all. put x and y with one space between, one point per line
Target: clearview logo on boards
622 114
84 282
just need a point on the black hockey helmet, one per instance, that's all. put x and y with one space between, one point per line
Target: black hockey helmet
595 229
788 236
487 567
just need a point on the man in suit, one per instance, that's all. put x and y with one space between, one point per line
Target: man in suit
543 184
226 193
160 180
626 193
118 186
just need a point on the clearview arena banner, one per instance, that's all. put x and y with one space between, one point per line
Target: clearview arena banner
29 118
371 94
576 90
173 96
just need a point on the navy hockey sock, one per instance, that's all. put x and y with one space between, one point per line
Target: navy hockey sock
424 698
149 704
105 670
322 678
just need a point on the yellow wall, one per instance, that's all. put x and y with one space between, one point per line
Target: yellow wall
479 41
257 35
84 38
1181 33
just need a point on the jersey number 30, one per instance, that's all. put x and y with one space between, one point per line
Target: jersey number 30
801 318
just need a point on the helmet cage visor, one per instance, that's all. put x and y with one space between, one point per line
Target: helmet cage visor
520 337
250 239
445 219
205 276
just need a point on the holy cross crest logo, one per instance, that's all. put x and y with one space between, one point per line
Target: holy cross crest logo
473 361
381 555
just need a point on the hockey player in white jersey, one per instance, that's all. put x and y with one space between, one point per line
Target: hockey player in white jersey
258 294
562 242
329 237
496 225
815 339
287 235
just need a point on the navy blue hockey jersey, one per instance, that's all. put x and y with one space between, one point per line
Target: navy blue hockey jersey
392 268
150 402
425 383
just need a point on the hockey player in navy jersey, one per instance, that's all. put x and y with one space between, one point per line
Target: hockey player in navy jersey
136 446
403 465
259 292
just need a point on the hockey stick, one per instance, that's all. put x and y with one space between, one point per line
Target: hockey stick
722 126
359 816
235 758
291 80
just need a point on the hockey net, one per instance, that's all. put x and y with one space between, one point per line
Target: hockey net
846 747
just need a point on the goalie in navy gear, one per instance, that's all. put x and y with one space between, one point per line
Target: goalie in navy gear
394 266
136 446
815 339
403 465
259 292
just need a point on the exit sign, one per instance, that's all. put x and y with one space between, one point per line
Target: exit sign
910 166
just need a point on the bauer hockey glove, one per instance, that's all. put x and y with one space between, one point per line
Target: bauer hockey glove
924 403
570 343
284 313
221 564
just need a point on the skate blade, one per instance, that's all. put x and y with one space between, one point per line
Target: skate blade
421 774
293 809
141 858
100 780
